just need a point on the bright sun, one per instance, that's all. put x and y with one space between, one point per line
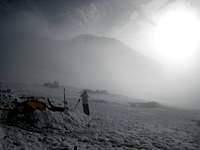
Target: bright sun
177 36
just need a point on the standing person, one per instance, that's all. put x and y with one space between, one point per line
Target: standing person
84 96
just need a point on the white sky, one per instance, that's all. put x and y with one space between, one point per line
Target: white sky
139 31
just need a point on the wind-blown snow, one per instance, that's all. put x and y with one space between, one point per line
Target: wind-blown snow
111 126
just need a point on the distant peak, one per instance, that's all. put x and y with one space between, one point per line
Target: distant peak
95 37
86 36
90 37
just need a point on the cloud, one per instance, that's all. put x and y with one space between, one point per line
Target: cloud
68 18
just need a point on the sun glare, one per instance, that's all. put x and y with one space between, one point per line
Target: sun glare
177 36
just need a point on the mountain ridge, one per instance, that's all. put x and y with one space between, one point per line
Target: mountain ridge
86 61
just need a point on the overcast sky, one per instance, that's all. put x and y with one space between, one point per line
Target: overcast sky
129 20
65 18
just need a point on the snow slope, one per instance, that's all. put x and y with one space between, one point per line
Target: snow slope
111 126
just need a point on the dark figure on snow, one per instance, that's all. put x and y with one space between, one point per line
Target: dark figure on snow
84 96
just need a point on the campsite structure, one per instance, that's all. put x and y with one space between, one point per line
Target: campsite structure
27 104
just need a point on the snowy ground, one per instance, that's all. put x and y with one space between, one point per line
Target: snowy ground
112 125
